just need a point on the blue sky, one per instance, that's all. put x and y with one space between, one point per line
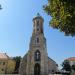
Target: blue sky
16 29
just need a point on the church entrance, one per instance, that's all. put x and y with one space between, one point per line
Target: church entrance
37 69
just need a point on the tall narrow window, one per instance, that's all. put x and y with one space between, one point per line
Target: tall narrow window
37 56
37 29
3 63
38 26
37 40
37 23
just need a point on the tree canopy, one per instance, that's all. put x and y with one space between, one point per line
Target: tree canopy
63 15
10 66
73 67
66 65
17 59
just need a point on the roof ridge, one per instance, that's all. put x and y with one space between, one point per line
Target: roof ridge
3 56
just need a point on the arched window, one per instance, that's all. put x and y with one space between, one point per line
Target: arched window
38 26
37 23
37 40
37 29
37 55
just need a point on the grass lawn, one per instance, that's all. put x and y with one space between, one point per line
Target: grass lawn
73 73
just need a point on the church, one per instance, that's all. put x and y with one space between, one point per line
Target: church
36 61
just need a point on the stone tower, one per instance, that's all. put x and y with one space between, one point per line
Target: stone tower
38 48
36 61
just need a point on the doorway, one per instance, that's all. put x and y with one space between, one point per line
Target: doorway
37 69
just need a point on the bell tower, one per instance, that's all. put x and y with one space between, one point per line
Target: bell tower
38 40
36 61
38 50
38 25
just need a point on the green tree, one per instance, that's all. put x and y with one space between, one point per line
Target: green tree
66 66
10 67
73 67
63 15
17 60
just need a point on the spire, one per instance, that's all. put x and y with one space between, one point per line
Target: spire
38 15
38 24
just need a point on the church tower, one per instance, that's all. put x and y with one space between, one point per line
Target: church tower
38 48
38 24
36 61
38 40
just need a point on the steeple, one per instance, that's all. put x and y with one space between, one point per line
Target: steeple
38 24
36 61
38 15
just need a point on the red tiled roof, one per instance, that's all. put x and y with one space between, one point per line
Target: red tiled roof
71 59
3 56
